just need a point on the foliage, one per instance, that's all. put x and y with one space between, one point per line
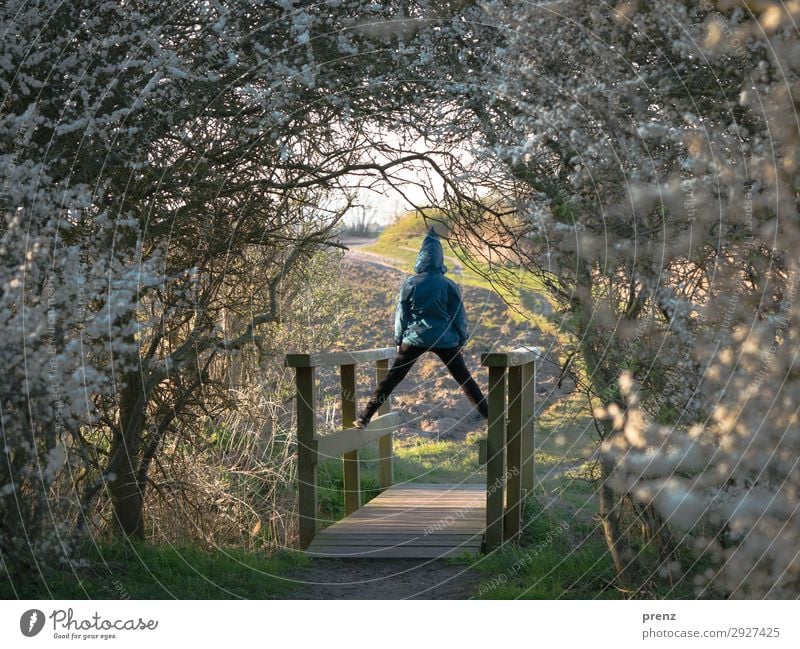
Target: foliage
164 182
173 175
659 209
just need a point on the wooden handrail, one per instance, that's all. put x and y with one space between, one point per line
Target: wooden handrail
332 359
312 449
508 451
351 439
511 358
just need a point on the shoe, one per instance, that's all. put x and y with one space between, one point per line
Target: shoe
475 417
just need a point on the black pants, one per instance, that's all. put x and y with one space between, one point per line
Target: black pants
403 362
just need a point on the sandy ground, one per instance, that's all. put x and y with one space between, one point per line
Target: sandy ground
384 579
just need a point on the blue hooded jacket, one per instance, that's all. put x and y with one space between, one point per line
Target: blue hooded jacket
430 312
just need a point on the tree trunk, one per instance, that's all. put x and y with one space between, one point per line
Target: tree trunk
601 377
127 499
609 511
127 491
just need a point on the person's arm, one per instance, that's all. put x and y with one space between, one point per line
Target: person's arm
401 314
458 315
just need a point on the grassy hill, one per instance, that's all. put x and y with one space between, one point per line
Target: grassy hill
520 290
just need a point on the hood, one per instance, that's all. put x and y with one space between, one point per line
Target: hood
431 255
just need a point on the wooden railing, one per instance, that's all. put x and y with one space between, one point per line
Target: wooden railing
312 449
508 449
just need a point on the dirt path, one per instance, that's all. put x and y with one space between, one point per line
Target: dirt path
379 579
358 256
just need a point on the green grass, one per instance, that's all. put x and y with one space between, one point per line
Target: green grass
564 429
562 553
425 460
556 558
139 570
415 460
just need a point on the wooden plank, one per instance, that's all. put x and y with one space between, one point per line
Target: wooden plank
351 470
337 444
410 521
418 528
462 491
332 359
431 541
511 358
418 541
436 486
306 456
511 524
403 552
396 537
433 498
386 513
434 520
385 450
437 493
495 461
528 409
403 505
471 528
386 509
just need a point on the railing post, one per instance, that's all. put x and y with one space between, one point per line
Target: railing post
495 460
514 454
528 469
351 469
385 451
306 454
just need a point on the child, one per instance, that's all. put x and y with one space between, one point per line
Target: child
430 316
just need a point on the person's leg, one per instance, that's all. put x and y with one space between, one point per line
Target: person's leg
401 364
454 360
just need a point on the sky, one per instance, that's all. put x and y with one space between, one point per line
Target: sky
384 207
383 202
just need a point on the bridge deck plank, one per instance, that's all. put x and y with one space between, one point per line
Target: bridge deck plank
419 521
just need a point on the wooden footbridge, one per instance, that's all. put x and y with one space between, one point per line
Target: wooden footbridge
414 520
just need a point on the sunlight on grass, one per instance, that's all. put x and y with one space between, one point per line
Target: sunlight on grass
564 429
556 558
425 460
140 570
